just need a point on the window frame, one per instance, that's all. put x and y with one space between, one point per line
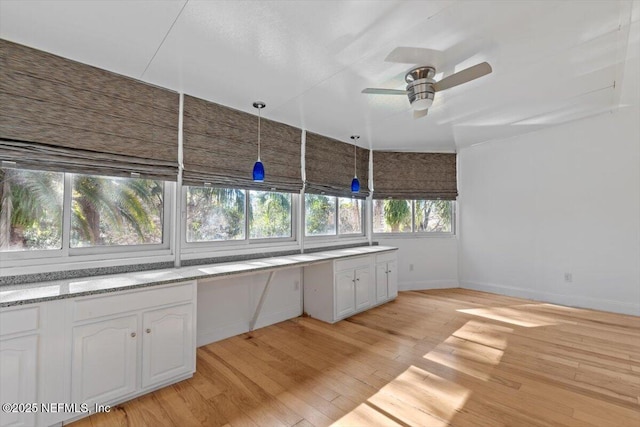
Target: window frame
337 235
231 244
416 233
66 254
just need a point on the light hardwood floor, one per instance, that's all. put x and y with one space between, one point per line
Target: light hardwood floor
430 358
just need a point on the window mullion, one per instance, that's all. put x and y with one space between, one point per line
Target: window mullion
246 214
67 197
337 216
413 216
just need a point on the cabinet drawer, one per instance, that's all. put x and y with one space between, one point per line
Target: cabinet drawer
352 263
19 320
107 305
387 256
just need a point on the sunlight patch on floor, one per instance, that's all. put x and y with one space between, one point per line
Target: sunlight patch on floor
488 334
472 357
515 315
415 397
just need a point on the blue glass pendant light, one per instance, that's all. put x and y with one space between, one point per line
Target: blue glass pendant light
258 167
355 183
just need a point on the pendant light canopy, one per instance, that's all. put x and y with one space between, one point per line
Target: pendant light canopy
355 183
258 167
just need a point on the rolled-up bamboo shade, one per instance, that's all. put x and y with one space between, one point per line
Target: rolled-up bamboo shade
414 175
329 167
58 114
220 148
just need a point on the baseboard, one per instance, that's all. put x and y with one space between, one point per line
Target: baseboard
280 316
427 284
568 300
240 327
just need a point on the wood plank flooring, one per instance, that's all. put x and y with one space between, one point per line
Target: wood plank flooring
431 358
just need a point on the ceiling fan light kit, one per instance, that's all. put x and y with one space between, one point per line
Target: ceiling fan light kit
421 87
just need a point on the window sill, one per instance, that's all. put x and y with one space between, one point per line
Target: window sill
382 236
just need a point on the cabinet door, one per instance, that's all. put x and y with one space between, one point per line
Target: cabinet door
363 288
381 282
167 344
345 294
392 279
18 358
104 360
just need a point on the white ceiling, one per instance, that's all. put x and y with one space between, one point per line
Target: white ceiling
553 61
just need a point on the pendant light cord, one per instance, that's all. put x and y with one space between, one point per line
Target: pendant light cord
355 163
355 138
259 133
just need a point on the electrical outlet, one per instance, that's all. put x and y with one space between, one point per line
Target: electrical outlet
410 267
568 277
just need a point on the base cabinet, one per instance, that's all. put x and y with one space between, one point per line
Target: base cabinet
124 344
386 277
167 344
104 360
338 289
18 378
345 294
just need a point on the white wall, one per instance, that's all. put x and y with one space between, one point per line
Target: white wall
434 261
226 306
561 200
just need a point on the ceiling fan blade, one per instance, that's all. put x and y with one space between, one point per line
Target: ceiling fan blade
415 55
463 76
380 91
419 113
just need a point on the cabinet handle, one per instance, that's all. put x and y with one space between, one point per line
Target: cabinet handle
358 279
148 330
133 334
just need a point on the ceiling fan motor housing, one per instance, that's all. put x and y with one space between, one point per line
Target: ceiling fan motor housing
419 87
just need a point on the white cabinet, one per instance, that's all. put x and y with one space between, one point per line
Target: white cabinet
345 293
19 352
363 288
386 277
353 291
338 289
104 360
18 378
126 344
167 344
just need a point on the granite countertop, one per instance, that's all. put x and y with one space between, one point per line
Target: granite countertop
29 293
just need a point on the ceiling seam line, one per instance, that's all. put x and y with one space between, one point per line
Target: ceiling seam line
164 38
360 59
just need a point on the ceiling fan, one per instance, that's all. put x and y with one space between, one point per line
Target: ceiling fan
421 87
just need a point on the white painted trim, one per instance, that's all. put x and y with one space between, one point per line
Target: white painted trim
422 285
178 197
563 299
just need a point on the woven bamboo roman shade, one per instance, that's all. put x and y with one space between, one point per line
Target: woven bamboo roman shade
329 167
57 114
414 175
220 148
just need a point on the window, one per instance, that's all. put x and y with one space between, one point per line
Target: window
350 216
433 216
108 211
270 215
392 216
331 216
407 216
215 214
224 214
99 211
30 210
